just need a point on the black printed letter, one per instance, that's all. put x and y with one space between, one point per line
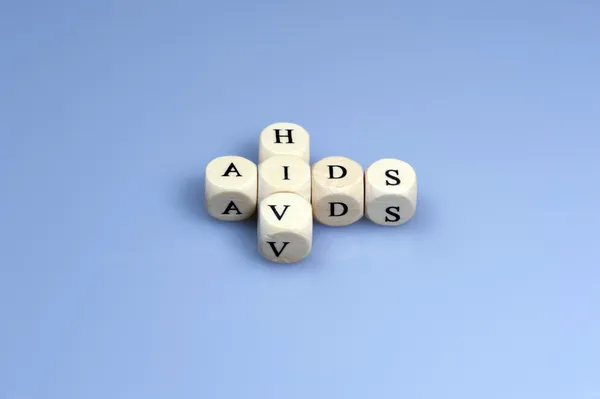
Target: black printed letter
388 173
285 173
344 171
278 136
277 253
230 169
332 209
277 215
396 216
230 207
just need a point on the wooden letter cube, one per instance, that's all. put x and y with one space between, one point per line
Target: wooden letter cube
284 139
285 227
231 188
337 191
284 173
390 192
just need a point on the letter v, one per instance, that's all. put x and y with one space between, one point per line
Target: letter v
277 253
277 215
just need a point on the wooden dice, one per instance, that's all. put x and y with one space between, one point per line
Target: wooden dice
338 191
285 227
390 192
230 188
287 193
284 173
284 139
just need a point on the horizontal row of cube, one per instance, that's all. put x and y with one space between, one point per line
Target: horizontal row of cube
337 189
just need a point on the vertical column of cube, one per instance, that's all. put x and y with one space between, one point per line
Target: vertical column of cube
285 227
231 188
284 193
390 192
337 191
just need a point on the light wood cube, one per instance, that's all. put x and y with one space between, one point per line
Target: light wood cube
284 173
390 192
285 227
337 191
284 138
231 188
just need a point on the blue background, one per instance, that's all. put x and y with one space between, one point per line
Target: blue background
115 283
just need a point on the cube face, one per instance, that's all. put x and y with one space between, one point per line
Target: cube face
284 138
338 210
390 192
390 210
285 247
285 227
231 185
231 206
284 173
337 191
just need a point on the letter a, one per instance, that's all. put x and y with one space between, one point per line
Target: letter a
230 169
231 206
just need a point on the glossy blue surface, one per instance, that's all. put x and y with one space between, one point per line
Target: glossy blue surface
114 283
